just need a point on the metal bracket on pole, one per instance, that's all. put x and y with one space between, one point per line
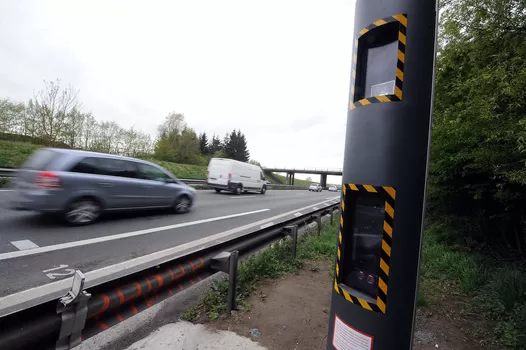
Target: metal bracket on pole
227 262
292 231
73 309
318 220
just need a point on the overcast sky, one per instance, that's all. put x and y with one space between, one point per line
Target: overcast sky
276 69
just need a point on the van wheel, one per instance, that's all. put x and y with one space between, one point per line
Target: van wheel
182 205
263 189
218 190
239 189
83 211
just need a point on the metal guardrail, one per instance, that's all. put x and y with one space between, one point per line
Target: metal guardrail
7 172
62 323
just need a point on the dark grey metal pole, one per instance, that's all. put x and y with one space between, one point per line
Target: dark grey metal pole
294 240
232 280
384 176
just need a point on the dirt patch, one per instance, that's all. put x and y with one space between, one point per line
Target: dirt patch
288 313
293 313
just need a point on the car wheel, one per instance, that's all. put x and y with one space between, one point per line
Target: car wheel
239 189
218 190
182 205
83 211
263 189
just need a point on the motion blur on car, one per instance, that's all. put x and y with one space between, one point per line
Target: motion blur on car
333 188
315 188
81 185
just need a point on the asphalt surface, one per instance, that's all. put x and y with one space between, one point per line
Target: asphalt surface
97 246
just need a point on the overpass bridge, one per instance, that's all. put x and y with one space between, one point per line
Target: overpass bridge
323 172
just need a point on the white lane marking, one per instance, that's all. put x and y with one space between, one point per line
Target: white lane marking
24 244
298 214
315 208
55 268
38 295
64 273
54 247
6 190
268 224
242 197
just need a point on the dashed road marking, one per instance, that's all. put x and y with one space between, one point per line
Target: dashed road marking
242 197
268 224
84 242
298 214
315 208
24 244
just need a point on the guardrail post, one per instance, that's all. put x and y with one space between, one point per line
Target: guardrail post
228 262
73 309
292 231
318 220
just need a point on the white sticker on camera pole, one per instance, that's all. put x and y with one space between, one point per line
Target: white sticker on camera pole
347 338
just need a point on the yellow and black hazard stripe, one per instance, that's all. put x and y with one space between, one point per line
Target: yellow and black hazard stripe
389 195
399 81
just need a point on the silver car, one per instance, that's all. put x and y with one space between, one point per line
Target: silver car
80 185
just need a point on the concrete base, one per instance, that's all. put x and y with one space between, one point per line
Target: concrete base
188 336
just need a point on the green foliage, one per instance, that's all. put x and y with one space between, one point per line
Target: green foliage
4 182
189 315
13 154
421 300
477 170
497 291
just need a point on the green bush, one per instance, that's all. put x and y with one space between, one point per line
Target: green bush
498 290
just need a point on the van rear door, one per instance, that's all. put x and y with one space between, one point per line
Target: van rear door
218 171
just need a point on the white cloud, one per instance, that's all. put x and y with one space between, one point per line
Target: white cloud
277 70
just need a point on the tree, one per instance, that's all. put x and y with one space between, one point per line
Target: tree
188 150
168 135
49 110
235 146
215 145
203 143
478 153
11 116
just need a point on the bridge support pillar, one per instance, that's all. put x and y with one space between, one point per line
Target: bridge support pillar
292 181
323 180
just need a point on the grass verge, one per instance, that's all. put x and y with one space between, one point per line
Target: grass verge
494 292
271 263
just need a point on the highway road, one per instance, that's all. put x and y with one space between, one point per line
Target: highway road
36 250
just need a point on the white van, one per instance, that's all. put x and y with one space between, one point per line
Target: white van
234 176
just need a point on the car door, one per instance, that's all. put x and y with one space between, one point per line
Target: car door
155 184
118 180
